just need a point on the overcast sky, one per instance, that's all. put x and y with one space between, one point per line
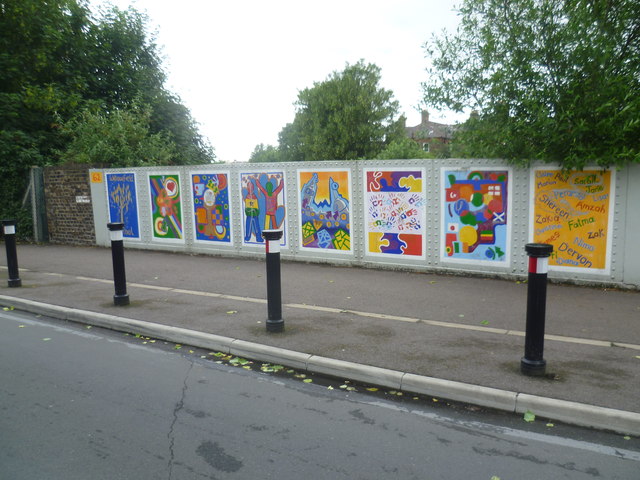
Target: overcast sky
239 65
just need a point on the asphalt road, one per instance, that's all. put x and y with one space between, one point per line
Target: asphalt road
80 403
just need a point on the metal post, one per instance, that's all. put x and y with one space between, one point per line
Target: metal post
275 323
533 363
121 296
9 227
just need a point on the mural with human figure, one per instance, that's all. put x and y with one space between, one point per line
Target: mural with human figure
325 209
211 212
263 205
475 211
123 203
166 207
394 212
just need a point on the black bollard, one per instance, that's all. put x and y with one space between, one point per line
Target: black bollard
9 227
275 323
121 296
533 363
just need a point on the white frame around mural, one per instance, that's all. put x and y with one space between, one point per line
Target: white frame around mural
175 173
284 243
212 243
506 263
423 217
300 186
610 218
135 187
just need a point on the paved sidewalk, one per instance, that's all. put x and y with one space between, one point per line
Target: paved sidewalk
463 329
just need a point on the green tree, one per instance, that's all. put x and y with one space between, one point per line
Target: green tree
264 154
348 116
556 80
120 138
403 148
58 60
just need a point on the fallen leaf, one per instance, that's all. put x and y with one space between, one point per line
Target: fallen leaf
344 386
435 400
529 416
432 282
330 281
484 322
329 387
46 339
300 375
177 347
88 327
8 309
550 425
351 389
627 437
461 315
190 351
638 357
20 326
307 380
372 389
231 312
495 478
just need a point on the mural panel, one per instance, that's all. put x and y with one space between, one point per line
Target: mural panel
394 212
123 202
572 211
166 207
325 209
475 211
263 205
211 211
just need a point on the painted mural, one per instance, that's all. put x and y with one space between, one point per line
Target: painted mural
123 202
325 209
572 211
166 207
211 212
263 205
475 215
395 212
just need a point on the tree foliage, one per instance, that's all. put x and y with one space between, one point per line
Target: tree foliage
347 116
265 154
403 148
556 80
60 66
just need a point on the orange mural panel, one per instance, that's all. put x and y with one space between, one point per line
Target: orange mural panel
571 211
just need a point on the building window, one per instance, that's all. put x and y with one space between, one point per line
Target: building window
425 147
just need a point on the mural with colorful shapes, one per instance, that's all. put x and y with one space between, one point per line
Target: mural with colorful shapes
123 202
394 212
166 207
572 211
263 202
475 215
211 212
325 209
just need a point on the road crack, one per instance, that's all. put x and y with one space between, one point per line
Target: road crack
179 406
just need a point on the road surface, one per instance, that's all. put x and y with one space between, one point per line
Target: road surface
79 403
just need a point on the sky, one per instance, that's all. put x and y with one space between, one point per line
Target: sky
239 65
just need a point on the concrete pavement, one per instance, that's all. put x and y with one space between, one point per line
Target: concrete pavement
455 337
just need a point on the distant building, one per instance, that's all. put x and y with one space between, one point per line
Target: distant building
433 137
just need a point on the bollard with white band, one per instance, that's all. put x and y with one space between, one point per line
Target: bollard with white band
275 323
121 296
533 363
9 228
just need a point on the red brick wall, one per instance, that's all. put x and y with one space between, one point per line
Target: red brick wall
69 210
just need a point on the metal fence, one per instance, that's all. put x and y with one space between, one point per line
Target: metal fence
451 215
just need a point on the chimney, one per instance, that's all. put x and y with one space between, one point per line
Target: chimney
425 117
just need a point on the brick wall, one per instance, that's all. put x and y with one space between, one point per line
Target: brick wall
69 211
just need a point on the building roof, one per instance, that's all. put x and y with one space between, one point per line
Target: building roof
427 129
